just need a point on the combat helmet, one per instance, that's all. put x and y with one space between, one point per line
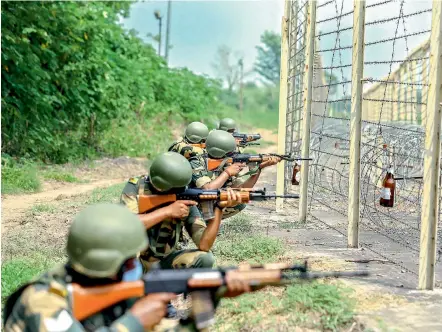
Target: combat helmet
102 237
219 143
196 132
170 170
227 124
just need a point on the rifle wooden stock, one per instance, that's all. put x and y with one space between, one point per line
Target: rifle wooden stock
214 163
199 145
89 301
149 202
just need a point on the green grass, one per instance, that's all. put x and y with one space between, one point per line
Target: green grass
253 248
42 208
19 177
17 271
110 194
313 305
60 176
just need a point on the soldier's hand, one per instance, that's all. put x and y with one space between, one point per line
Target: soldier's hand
270 162
236 286
180 209
151 309
234 169
233 198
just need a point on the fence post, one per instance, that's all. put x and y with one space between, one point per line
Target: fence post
307 111
424 91
431 190
354 185
293 49
282 128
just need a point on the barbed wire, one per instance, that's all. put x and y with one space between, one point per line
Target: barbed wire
392 135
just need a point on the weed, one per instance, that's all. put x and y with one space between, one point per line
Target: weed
60 176
251 248
42 208
19 176
17 271
110 194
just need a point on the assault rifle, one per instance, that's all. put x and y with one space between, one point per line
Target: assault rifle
241 144
201 283
147 203
213 164
243 139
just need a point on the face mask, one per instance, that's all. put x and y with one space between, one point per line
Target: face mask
133 274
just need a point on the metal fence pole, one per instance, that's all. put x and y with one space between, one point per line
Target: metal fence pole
280 177
431 189
354 184
307 112
293 49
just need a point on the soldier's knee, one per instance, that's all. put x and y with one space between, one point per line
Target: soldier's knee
204 260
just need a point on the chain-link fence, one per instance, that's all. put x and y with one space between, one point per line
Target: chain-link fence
396 71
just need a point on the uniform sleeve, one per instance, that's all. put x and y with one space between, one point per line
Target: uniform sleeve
41 310
129 197
200 175
195 225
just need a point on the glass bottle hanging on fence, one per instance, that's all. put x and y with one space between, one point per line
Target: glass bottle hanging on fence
388 187
296 176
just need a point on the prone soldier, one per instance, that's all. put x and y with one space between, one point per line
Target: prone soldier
191 145
171 172
102 247
219 144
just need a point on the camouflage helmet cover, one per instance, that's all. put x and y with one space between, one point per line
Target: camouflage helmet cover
102 237
219 143
170 170
196 132
227 124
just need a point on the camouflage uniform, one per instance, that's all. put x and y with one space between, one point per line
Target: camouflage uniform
202 176
186 149
164 237
43 305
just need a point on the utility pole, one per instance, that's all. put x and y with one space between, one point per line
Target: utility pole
241 85
169 9
159 18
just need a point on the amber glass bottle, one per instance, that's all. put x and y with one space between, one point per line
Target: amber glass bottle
296 176
388 188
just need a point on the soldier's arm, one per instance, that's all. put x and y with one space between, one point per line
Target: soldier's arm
129 199
203 236
38 309
201 178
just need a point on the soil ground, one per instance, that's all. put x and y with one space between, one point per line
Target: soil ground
387 299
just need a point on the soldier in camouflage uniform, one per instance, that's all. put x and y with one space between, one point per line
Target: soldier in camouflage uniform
170 172
102 246
219 145
196 133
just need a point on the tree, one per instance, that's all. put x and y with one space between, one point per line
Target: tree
227 66
268 61
331 79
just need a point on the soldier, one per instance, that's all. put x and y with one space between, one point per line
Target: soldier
195 134
219 144
227 124
102 246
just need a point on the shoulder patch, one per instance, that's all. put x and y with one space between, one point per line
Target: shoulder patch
133 180
58 289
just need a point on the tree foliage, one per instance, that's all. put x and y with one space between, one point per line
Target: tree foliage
268 61
70 71
227 66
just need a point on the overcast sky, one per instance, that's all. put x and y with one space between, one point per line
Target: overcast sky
199 27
